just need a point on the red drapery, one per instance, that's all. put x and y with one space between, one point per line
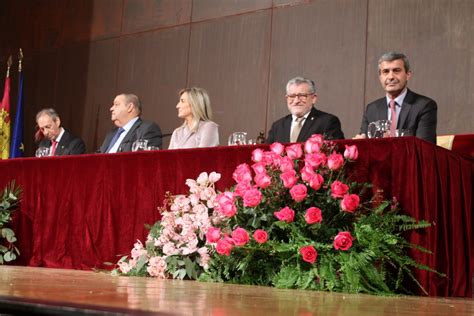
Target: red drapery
81 211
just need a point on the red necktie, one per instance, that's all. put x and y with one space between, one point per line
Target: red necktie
393 118
53 147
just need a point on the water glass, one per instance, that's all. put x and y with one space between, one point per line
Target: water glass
403 132
140 144
150 148
238 138
379 129
42 152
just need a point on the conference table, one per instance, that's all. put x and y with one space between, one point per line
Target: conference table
80 212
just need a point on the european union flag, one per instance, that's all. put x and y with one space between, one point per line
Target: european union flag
17 148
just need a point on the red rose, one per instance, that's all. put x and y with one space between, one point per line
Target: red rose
225 202
213 234
335 161
351 152
313 215
350 202
343 241
224 246
309 254
240 236
298 192
252 198
289 178
260 236
313 144
338 189
294 151
286 214
242 174
262 180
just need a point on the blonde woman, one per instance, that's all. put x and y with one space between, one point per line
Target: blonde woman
194 107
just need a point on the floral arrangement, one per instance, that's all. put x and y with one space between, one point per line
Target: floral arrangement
8 204
293 220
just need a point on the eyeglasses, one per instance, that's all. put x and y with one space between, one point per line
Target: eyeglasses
301 96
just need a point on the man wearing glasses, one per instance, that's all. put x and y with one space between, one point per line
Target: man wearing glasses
304 120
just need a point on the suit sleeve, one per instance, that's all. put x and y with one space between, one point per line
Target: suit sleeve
333 129
427 122
365 123
153 135
77 147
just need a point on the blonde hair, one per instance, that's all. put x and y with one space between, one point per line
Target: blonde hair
200 105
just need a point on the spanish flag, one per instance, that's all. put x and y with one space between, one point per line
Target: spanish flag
5 118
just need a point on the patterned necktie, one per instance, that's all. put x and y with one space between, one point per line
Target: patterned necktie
393 118
296 129
114 139
54 144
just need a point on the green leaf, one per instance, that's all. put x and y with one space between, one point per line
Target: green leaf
9 256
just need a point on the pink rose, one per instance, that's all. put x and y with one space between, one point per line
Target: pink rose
298 192
224 246
240 236
309 254
313 215
306 173
315 160
335 161
286 164
260 236
338 189
259 167
351 152
277 148
270 158
252 198
289 178
294 151
213 234
257 155
225 204
350 202
241 188
316 181
343 241
286 214
262 180
242 174
313 144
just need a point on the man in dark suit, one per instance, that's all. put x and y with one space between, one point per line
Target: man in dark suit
304 120
406 109
60 141
125 113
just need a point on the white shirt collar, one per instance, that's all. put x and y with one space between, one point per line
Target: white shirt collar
61 133
399 99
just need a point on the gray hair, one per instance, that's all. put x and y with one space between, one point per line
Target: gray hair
301 80
132 98
200 103
391 56
49 112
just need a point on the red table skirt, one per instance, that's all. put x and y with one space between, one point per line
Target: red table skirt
81 211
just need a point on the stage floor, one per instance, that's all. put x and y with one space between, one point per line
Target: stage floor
61 292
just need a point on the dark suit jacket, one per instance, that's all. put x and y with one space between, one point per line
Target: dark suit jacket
68 145
317 122
140 129
418 114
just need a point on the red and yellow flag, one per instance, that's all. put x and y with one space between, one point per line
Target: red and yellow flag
5 117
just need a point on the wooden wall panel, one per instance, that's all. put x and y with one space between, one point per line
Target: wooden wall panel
40 74
324 41
71 83
99 91
152 14
229 58
154 66
437 38
280 3
211 9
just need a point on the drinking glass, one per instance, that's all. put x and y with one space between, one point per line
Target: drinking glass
378 129
238 138
140 144
149 148
42 152
403 132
